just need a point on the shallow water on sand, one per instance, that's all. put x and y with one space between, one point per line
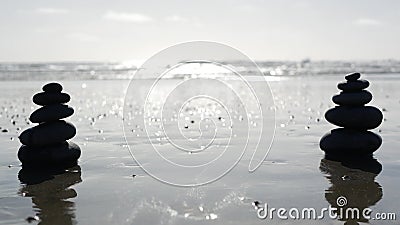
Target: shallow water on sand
108 187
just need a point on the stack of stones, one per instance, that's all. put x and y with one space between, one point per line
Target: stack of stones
46 145
353 140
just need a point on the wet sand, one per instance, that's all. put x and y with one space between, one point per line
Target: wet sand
110 188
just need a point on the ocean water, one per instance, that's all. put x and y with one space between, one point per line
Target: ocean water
126 70
109 187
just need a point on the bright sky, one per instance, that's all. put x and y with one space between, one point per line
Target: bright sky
65 30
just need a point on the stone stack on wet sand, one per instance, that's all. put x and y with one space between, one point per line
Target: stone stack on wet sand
46 145
352 140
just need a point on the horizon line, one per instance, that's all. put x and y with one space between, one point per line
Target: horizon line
256 60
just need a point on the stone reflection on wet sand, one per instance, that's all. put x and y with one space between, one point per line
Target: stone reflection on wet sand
51 193
356 182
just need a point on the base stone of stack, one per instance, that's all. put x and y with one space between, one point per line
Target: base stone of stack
365 163
344 141
60 155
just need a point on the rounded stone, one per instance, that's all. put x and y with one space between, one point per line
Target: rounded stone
51 113
48 133
363 118
58 177
48 98
344 141
352 76
52 87
356 85
352 98
63 154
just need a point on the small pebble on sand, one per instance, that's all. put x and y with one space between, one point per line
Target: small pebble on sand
31 219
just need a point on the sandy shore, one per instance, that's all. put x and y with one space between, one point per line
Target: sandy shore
104 190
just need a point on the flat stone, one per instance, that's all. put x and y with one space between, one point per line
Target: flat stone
352 76
356 85
60 178
48 133
64 154
48 98
352 98
344 141
362 118
51 113
366 163
52 87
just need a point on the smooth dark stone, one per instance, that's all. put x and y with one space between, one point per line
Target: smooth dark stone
366 163
61 178
349 142
356 85
51 113
364 117
64 154
52 87
352 98
46 98
352 76
48 133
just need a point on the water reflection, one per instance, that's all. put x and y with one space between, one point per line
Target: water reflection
51 194
354 180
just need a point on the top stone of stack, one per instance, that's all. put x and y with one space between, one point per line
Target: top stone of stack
353 76
52 88
52 95
353 84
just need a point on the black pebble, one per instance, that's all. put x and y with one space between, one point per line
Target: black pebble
48 133
30 219
52 87
64 154
352 98
352 76
356 85
51 113
350 142
256 203
365 117
45 98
